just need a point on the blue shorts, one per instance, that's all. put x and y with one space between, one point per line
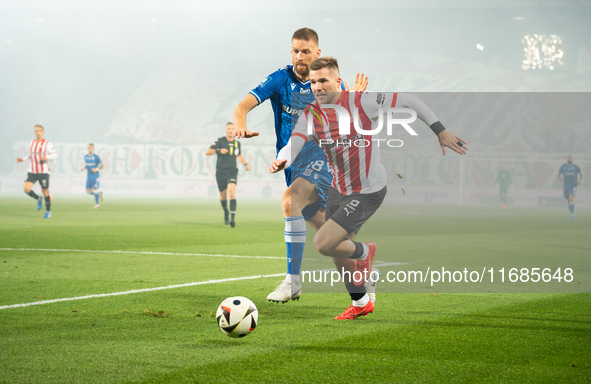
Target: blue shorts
92 183
570 191
317 173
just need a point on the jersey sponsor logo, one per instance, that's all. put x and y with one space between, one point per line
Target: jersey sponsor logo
265 81
305 90
291 111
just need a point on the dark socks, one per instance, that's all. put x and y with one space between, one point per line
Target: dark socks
358 251
232 209
226 213
33 195
48 203
356 293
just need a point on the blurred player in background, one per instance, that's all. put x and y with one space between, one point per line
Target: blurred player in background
359 177
226 172
308 178
92 164
41 151
504 180
568 175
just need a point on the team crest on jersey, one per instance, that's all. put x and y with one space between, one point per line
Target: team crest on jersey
308 172
265 81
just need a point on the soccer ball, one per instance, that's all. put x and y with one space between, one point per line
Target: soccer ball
237 316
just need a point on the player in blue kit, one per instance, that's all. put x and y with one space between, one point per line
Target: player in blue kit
92 164
308 179
568 175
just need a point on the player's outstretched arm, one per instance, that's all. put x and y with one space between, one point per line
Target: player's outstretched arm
239 117
210 152
450 140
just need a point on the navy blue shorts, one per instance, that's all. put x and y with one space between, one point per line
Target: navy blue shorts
317 173
570 191
93 183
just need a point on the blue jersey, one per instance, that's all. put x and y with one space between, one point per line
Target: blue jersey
570 175
289 95
92 161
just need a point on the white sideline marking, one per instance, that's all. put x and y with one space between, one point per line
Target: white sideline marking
138 291
142 253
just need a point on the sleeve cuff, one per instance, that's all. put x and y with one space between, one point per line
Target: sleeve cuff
437 127
257 96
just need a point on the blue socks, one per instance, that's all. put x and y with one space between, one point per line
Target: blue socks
571 207
295 239
96 196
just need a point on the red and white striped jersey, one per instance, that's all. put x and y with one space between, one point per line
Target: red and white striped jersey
38 149
354 158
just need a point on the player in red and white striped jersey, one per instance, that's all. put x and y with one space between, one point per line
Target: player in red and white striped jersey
41 151
359 178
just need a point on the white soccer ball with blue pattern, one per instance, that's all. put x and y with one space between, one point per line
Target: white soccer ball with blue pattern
237 316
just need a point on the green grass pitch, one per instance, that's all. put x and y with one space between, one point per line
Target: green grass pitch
421 336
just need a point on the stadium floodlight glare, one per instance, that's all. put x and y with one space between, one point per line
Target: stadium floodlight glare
542 51
479 47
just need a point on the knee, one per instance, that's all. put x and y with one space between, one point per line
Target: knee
323 246
27 189
286 205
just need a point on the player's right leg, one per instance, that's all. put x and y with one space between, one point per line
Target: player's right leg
224 202
27 188
222 182
47 202
97 196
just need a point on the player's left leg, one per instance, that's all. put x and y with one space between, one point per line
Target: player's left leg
94 184
335 240
44 180
232 198
297 196
47 203
346 215
571 204
569 195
